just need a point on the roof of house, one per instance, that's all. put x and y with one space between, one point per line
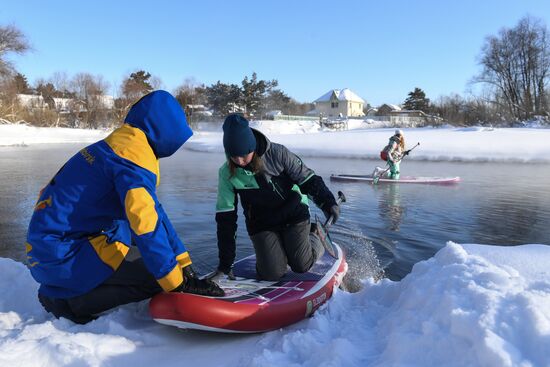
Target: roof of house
392 107
341 94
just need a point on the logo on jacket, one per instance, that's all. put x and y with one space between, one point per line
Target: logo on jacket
43 204
87 156
30 263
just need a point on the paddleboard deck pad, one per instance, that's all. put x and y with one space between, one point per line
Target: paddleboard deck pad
251 305
402 179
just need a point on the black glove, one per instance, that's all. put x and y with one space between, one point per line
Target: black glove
406 152
203 287
333 211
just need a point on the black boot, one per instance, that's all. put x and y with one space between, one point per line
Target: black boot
60 308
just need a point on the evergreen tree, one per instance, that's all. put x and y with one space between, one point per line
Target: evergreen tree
21 84
224 98
277 100
48 92
254 92
417 101
136 85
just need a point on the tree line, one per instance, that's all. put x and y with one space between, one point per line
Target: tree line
513 81
254 97
82 101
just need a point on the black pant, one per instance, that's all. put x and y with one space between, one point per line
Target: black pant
132 282
293 245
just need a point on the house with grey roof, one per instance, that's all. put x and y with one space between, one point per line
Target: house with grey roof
387 109
339 102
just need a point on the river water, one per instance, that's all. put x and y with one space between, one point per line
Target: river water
494 204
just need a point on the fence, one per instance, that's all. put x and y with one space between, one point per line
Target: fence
405 120
296 118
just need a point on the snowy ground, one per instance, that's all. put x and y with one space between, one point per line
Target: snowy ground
22 135
364 140
469 305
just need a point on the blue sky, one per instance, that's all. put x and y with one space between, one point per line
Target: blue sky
380 49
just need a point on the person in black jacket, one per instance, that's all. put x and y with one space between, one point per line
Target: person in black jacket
273 185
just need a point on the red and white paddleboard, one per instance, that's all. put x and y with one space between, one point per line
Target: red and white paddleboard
250 305
402 179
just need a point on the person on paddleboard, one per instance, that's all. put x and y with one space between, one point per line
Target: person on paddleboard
393 153
272 184
98 205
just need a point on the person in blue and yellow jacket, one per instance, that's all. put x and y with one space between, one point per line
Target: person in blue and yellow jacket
101 202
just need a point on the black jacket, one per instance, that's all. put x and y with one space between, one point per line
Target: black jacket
271 199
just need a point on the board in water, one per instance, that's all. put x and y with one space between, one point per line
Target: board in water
250 305
402 179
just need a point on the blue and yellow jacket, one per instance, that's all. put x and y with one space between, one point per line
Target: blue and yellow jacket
104 199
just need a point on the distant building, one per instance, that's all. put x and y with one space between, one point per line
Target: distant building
63 105
397 115
31 101
270 115
107 101
372 111
387 109
197 110
339 103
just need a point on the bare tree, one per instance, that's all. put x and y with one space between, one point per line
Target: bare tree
466 111
186 93
11 40
190 95
516 63
61 81
90 107
11 110
156 82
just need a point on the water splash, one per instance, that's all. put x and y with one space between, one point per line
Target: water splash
362 258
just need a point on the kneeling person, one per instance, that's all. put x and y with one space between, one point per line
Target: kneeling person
102 201
272 184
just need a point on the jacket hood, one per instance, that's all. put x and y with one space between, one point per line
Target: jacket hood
262 142
159 115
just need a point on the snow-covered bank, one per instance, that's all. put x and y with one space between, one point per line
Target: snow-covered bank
26 135
361 140
469 305
454 144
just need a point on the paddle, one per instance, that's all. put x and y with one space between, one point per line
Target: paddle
327 243
341 199
375 179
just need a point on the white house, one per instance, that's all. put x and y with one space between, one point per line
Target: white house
31 101
107 101
61 104
339 102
